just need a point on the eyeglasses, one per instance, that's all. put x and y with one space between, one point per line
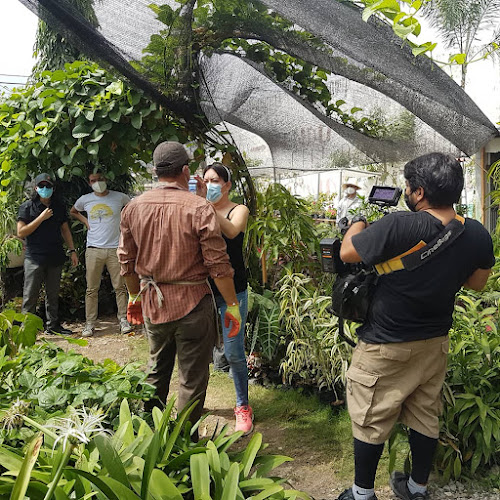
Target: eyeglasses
44 185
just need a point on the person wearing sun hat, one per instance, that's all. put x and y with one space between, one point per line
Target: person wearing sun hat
350 201
43 222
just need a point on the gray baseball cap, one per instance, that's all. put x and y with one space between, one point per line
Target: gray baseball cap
43 178
170 154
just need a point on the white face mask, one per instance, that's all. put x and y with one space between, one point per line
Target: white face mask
349 190
99 186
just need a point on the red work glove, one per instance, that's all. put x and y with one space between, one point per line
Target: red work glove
134 310
233 315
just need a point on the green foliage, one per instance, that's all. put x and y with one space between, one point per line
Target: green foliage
9 245
143 462
323 205
16 330
460 23
402 18
53 49
8 221
265 333
315 354
397 128
304 80
283 232
22 481
50 379
463 26
471 421
245 29
494 175
76 116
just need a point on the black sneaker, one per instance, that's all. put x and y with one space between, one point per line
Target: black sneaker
399 485
348 495
59 329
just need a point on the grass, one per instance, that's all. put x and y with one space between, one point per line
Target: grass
300 426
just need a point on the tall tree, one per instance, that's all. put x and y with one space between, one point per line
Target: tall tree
53 49
464 24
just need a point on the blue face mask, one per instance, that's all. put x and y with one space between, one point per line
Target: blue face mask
214 192
45 192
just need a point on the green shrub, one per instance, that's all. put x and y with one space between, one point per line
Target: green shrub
283 233
470 438
50 379
315 354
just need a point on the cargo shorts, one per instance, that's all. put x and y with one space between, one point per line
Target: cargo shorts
402 382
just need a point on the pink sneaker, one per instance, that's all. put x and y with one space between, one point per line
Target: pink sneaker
244 419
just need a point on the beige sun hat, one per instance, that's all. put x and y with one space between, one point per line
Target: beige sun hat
351 181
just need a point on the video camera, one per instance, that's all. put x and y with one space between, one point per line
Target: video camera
382 196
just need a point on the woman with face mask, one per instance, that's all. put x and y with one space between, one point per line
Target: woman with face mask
215 186
43 222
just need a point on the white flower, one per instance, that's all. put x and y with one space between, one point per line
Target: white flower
13 417
79 427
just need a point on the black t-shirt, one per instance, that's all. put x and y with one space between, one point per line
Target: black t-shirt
44 245
418 304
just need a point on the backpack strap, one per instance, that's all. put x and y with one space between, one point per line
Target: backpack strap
421 252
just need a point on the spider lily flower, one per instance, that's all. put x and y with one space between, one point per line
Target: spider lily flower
14 416
79 427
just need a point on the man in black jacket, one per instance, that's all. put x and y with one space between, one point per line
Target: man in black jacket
43 221
398 368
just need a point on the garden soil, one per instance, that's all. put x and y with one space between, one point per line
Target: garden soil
311 471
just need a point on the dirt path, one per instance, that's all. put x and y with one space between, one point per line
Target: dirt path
311 471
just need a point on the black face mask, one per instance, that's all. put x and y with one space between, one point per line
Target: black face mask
412 206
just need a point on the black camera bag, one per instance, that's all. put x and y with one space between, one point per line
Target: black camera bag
352 295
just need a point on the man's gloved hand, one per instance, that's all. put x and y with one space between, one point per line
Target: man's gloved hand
233 315
134 310
343 225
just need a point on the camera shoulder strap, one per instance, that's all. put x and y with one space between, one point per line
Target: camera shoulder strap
422 252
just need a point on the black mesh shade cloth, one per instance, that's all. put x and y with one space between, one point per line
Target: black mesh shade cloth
367 57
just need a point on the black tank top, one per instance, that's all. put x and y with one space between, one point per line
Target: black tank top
235 252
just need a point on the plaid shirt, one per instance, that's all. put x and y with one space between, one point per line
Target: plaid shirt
172 235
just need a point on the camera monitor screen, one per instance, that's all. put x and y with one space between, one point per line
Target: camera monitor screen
386 195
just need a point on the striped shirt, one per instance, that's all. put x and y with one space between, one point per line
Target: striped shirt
172 235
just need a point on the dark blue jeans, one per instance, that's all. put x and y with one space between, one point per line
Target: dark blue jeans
234 348
34 275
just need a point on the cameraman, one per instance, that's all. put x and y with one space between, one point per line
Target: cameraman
398 367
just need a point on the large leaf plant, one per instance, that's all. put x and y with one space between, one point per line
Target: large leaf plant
140 462
72 117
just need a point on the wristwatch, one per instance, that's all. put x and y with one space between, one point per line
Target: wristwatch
70 251
359 218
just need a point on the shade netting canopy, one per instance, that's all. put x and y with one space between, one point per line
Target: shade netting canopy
180 55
